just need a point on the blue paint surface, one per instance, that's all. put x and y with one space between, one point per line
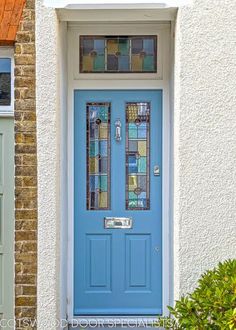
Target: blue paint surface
5 65
117 271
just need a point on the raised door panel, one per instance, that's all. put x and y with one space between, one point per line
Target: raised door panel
98 260
138 265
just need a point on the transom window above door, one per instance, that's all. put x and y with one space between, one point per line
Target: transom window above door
118 54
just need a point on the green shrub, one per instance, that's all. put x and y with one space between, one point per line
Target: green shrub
212 305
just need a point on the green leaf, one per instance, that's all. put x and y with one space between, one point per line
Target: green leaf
212 305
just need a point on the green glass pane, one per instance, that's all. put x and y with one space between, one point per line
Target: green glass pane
99 63
133 131
142 164
133 134
103 183
148 63
132 204
124 46
132 126
132 195
93 148
103 113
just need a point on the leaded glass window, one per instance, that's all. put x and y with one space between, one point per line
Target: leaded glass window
98 156
137 155
122 54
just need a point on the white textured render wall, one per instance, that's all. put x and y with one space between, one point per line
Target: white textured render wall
204 147
204 139
48 153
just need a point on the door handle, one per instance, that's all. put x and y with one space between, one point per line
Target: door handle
156 170
118 130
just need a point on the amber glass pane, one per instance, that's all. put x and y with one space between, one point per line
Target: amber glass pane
98 156
118 54
137 156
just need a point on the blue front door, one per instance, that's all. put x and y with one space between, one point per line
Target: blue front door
118 202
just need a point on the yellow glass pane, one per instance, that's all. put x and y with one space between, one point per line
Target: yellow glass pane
93 165
112 46
102 199
132 182
142 148
87 63
103 129
137 63
132 112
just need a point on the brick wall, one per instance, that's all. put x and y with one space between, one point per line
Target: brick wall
25 169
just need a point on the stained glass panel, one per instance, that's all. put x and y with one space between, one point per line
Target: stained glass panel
106 54
137 155
98 156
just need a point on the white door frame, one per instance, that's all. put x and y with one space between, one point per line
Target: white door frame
121 81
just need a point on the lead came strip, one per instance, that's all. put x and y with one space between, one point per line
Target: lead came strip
137 155
98 156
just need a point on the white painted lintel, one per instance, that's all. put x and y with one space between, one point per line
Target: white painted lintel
118 15
115 4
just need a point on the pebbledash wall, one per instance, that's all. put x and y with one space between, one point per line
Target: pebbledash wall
25 169
203 149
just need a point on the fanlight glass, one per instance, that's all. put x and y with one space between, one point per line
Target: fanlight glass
122 54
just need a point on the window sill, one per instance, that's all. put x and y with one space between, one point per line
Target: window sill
4 113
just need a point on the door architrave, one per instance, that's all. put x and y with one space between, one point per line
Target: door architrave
121 81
